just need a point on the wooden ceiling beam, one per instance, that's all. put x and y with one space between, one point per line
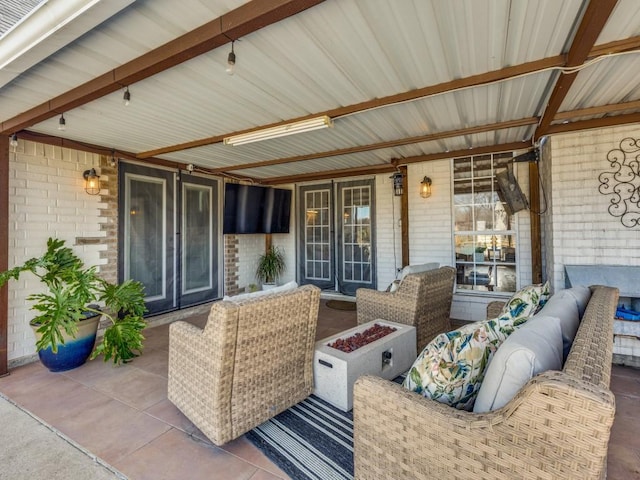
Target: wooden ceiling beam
378 146
594 123
467 82
504 147
391 167
341 173
245 19
599 110
475 80
617 46
593 21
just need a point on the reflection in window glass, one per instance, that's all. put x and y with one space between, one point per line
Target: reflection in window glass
484 235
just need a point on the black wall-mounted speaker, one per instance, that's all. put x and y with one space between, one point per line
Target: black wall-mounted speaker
510 192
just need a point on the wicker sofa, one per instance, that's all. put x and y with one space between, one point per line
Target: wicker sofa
252 360
557 425
422 300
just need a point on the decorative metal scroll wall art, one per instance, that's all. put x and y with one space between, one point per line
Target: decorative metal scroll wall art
623 182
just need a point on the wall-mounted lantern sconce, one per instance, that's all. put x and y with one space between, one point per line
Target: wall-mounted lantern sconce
425 187
398 183
91 182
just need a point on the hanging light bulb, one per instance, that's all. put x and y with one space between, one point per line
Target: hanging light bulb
62 123
13 142
231 61
126 98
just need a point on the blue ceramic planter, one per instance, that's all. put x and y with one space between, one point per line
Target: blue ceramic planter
75 351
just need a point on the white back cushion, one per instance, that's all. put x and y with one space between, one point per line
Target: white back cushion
423 267
261 293
532 349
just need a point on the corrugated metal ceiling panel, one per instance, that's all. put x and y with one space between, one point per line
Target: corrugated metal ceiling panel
145 25
336 54
613 80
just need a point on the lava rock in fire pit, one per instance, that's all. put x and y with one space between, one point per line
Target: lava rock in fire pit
361 339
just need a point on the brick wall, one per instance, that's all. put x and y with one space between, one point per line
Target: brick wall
47 199
583 231
231 261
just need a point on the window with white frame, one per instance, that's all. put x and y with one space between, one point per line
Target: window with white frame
484 233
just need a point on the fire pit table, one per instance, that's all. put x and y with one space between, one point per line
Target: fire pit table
335 371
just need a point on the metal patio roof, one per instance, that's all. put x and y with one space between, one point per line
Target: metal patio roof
404 81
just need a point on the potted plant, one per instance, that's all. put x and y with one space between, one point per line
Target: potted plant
478 255
270 266
67 319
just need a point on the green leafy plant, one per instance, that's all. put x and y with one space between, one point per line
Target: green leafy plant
71 289
480 249
270 265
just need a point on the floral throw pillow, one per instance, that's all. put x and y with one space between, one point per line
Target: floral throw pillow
526 302
451 367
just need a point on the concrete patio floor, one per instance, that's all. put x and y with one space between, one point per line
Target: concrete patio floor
122 415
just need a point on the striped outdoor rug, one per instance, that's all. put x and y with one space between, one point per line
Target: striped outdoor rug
310 441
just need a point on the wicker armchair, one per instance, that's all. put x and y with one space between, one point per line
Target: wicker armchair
252 360
557 425
494 308
422 300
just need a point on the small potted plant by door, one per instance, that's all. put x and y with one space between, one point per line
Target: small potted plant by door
270 266
67 320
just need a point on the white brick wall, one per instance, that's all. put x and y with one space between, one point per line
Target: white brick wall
388 232
430 219
584 232
46 199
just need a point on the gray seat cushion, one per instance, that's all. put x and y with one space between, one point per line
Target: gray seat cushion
532 349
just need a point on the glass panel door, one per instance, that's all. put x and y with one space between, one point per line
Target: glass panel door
168 236
316 242
356 259
147 234
339 259
199 258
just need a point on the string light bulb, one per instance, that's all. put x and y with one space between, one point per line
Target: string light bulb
126 98
62 123
231 61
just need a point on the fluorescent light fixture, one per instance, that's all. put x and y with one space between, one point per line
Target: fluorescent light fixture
280 131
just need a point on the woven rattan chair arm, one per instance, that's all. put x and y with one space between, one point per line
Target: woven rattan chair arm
373 305
185 329
494 308
552 429
183 334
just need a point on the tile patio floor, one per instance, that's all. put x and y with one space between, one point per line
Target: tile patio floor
123 416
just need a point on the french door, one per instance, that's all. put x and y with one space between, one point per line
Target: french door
336 237
168 236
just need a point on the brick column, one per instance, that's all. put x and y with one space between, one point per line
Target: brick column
109 217
230 265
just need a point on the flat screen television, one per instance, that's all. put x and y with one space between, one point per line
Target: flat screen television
256 209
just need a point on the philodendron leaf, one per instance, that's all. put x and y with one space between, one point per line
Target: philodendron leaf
58 312
122 340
